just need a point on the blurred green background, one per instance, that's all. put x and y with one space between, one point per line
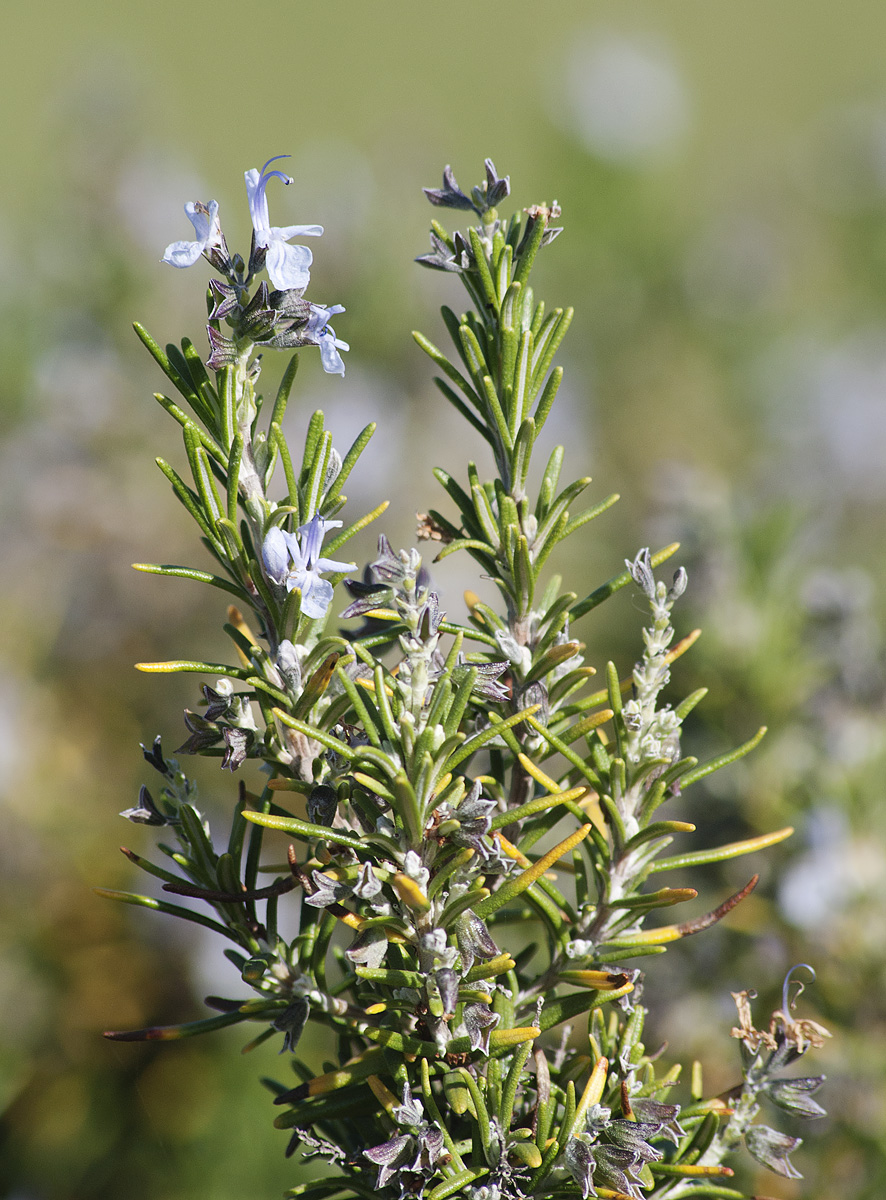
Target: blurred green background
722 173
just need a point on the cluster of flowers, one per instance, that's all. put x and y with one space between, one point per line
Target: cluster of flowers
287 266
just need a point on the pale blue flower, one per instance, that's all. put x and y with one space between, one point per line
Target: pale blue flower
286 265
295 561
209 236
320 334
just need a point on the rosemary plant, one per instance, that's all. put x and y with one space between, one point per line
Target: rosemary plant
446 869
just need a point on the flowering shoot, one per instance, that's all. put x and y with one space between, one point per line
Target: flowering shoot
470 822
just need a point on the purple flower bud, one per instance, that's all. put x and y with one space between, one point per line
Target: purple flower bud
450 194
322 804
291 1022
641 572
795 1095
368 884
288 665
473 940
146 812
237 743
369 948
580 1160
447 984
772 1148
326 891
388 1156
479 1021
275 554
678 587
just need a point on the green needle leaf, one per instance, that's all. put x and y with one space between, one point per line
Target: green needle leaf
698 858
174 910
724 760
191 573
174 1033
304 829
514 887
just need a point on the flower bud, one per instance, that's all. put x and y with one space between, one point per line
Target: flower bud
772 1148
795 1095
322 804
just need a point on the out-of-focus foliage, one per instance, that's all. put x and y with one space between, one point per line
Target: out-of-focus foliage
727 373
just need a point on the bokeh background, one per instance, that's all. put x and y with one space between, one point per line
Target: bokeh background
722 173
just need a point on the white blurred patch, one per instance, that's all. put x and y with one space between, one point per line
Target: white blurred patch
835 870
624 96
826 403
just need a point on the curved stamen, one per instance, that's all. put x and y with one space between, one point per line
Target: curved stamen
787 1005
266 174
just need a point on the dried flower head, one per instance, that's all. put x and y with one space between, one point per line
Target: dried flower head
784 1030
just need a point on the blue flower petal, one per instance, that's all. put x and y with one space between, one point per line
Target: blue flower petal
316 597
204 218
288 266
275 554
333 363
